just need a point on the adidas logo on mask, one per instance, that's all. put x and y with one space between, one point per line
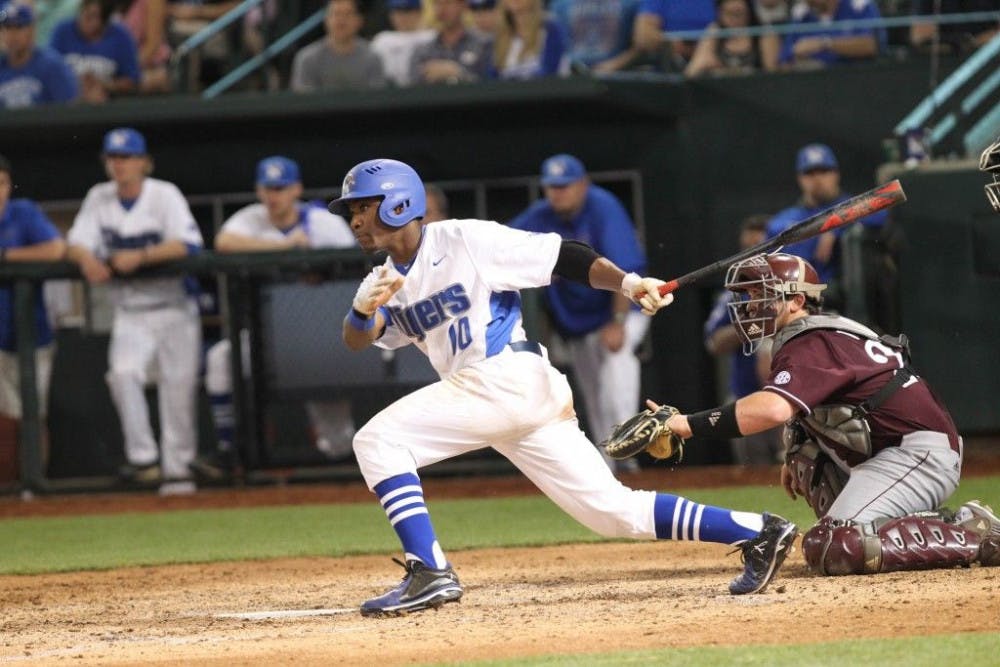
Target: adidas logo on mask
754 329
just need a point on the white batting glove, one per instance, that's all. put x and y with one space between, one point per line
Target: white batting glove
376 289
645 292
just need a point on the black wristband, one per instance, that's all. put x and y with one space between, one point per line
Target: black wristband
718 422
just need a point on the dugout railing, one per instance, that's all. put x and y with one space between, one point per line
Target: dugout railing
248 287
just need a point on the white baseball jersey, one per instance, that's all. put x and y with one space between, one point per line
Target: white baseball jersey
396 50
161 213
322 228
459 302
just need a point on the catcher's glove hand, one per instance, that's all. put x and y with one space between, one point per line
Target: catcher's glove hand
646 431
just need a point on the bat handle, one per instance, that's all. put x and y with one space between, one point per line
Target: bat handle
668 287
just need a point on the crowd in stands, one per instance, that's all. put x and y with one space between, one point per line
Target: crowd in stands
90 51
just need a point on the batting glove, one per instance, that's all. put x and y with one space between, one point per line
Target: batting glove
376 289
645 292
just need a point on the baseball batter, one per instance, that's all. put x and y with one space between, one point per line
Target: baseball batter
129 222
869 446
451 289
279 221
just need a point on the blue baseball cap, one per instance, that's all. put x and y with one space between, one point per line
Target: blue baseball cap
482 4
124 141
562 169
16 15
815 156
277 172
403 4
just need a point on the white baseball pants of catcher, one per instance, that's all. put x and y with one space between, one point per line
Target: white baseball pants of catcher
164 343
518 404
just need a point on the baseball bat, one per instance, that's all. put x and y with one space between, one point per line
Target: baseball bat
844 213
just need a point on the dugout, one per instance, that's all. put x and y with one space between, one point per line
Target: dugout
708 151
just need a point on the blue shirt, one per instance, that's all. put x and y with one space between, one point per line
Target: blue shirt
114 55
597 29
604 225
551 61
22 224
681 14
743 378
44 79
846 10
807 249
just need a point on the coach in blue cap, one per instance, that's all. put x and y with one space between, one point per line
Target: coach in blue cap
818 173
601 330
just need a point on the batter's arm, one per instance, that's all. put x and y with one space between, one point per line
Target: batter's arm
358 338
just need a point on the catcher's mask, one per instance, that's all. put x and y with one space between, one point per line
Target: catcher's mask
989 162
760 285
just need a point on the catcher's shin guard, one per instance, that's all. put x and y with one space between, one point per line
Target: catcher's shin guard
914 542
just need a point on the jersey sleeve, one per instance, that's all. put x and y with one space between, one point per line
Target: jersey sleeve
40 228
86 231
510 259
180 222
806 372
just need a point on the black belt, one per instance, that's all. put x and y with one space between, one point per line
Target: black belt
526 346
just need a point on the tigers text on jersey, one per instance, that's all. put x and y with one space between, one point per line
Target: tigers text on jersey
324 229
105 226
459 302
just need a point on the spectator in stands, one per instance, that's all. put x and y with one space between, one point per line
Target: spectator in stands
829 45
602 331
739 54
658 16
124 224
773 12
26 235
396 46
437 204
599 32
341 60
818 174
188 17
456 54
30 75
746 373
953 37
529 44
49 14
485 16
146 20
101 52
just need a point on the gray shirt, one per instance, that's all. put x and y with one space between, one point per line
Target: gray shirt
474 52
316 67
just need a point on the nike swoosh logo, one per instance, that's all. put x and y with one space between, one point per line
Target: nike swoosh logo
439 261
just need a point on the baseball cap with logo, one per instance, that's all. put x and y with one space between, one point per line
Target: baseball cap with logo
562 169
277 172
124 141
476 5
403 4
16 15
815 156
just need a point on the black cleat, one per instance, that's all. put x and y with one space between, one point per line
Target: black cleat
134 474
764 554
422 588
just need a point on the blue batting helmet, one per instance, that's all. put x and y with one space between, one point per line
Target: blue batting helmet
399 186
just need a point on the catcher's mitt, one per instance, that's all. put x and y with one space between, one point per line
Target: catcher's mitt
646 431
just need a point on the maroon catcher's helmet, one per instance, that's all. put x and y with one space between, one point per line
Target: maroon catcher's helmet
760 286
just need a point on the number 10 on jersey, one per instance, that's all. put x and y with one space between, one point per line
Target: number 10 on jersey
460 334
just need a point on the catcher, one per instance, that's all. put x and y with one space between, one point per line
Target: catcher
868 444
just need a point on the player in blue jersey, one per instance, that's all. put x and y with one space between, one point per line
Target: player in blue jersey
452 289
26 235
831 45
602 329
101 52
30 75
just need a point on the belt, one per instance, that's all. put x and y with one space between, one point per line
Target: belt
142 308
526 346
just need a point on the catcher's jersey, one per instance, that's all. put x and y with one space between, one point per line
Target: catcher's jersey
324 229
826 366
160 213
460 302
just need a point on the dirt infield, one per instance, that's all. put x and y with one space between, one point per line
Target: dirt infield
519 602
